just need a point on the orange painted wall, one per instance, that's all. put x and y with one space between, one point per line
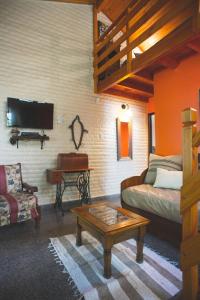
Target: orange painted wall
175 90
124 150
151 106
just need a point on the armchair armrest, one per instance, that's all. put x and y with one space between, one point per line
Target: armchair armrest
132 181
29 188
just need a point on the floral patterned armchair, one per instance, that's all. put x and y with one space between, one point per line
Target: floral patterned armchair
17 201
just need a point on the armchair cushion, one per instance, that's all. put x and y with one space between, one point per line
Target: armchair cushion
162 202
10 178
17 207
17 202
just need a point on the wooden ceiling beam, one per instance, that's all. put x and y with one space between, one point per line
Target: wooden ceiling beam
169 62
142 79
132 90
141 88
75 1
114 91
194 46
100 4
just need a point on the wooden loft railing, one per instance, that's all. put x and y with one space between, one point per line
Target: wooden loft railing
190 195
155 27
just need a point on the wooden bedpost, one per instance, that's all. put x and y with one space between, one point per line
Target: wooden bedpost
190 215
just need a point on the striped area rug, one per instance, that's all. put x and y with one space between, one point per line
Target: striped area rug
154 279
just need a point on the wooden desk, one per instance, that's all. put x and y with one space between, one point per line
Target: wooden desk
82 182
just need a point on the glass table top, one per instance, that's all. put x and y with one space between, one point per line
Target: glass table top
108 215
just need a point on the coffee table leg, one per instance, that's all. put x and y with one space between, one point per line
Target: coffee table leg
107 263
140 243
78 234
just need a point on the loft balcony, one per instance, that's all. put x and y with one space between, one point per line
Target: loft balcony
147 37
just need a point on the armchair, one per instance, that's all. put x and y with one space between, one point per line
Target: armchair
17 201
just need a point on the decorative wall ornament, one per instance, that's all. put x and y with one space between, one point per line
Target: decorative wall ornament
77 137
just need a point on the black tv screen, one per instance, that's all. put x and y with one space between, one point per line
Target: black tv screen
29 114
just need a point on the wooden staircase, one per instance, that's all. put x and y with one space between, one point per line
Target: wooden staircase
165 32
190 196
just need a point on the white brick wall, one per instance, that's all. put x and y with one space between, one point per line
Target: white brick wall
46 55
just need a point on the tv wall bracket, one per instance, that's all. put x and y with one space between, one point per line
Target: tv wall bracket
14 139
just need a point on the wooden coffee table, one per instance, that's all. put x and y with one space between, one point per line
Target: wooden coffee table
110 225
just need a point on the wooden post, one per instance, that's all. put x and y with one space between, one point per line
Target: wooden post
190 217
95 39
196 17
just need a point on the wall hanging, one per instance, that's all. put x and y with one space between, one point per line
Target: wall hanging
78 130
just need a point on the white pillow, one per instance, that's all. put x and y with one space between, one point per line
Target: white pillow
168 179
170 162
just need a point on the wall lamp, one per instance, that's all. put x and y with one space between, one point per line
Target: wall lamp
125 113
125 106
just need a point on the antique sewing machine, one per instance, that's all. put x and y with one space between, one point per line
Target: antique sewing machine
71 163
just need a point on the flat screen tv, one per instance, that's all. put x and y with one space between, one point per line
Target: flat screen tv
29 114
